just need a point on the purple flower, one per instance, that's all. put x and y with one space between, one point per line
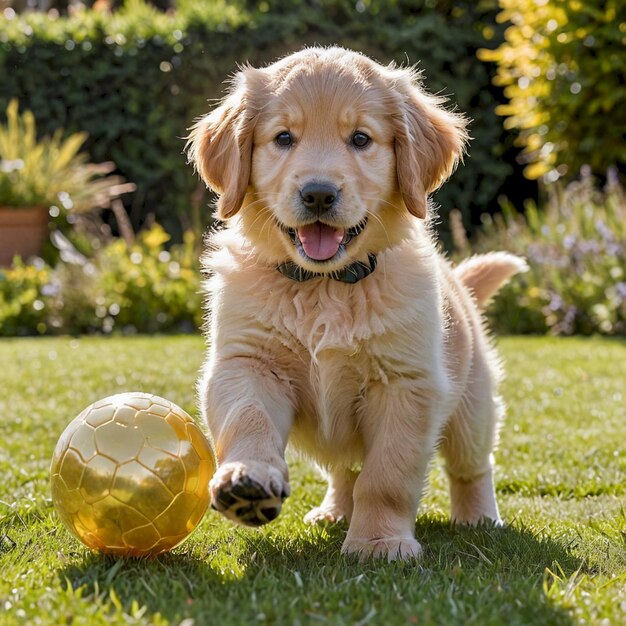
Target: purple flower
588 246
556 302
605 231
569 241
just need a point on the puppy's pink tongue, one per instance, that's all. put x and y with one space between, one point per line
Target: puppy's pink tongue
320 241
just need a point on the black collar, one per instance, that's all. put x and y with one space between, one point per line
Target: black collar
351 274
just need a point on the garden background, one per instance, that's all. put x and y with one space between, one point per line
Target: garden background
542 81
95 102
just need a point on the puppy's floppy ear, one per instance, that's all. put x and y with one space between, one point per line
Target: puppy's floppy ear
220 147
429 142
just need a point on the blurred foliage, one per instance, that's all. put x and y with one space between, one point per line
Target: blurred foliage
135 80
562 66
575 245
21 309
576 248
50 171
124 288
72 6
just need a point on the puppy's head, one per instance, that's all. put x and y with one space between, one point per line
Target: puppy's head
325 154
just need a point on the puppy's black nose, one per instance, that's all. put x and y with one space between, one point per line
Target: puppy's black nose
319 197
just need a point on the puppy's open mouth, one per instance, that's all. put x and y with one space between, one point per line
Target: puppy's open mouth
322 242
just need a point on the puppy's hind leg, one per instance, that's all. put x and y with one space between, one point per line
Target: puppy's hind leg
337 504
474 500
467 447
400 424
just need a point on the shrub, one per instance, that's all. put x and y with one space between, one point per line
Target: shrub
576 249
22 299
148 288
562 66
135 80
52 170
138 288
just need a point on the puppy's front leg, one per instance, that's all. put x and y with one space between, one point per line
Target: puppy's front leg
400 426
249 410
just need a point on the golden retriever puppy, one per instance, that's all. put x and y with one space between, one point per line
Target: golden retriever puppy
335 323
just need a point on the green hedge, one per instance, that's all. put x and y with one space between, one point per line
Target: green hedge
135 80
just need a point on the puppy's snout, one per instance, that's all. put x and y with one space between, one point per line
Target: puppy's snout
319 197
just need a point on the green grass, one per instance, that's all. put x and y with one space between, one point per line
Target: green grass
561 481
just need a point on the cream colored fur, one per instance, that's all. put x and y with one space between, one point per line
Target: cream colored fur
367 379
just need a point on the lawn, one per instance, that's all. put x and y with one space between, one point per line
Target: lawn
561 482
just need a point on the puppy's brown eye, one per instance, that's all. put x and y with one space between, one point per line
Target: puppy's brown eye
284 139
360 140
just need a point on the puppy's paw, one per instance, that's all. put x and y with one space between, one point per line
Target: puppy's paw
249 493
323 513
478 520
389 548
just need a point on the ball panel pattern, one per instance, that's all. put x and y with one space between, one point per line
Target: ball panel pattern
71 499
199 441
130 475
125 516
98 416
153 496
125 415
142 538
83 441
206 468
72 469
151 457
96 480
195 517
161 410
188 455
170 522
139 401
119 442
157 431
177 425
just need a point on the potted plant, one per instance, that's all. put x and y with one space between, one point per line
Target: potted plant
37 175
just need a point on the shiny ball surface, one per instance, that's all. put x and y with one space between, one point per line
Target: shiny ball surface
130 475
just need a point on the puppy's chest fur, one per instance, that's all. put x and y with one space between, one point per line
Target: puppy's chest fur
335 341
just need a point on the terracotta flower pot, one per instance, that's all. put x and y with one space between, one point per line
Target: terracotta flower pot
23 231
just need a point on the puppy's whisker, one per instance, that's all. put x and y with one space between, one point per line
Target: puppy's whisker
267 223
258 217
266 194
269 218
246 231
255 203
373 196
382 224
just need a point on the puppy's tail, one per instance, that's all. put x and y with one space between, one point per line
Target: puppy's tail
484 274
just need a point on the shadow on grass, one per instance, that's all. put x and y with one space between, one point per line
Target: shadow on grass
467 576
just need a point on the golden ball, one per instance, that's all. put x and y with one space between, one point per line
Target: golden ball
130 475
